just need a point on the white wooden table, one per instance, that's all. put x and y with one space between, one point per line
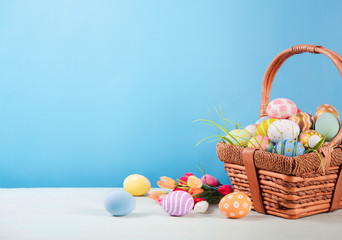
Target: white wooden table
78 213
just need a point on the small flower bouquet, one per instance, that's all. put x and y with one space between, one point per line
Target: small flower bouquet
205 191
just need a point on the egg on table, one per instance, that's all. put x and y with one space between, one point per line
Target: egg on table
304 120
251 128
327 123
283 129
137 185
310 138
262 142
178 203
281 108
326 108
235 205
239 137
119 203
263 127
290 148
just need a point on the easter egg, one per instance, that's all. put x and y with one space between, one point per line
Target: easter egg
119 203
327 122
137 185
239 137
304 120
263 126
178 203
326 108
251 128
261 141
290 148
281 108
309 138
283 129
262 119
235 205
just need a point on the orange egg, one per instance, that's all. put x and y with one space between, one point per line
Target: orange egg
326 108
235 205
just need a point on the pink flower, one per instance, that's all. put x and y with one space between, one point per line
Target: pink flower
156 194
166 182
183 180
160 200
225 189
209 180
180 189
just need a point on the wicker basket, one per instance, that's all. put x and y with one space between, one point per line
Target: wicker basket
288 187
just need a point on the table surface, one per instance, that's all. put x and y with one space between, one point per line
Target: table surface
78 213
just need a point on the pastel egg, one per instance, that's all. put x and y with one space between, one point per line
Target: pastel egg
137 185
263 127
327 122
326 108
235 205
119 203
309 138
261 141
281 108
177 203
251 128
262 119
239 137
283 129
290 148
304 120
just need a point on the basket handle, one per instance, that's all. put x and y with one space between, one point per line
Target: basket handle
280 59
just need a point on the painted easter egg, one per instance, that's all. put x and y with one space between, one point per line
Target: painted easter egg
235 205
137 185
309 138
262 119
327 122
119 203
178 203
326 108
283 129
304 120
281 108
290 148
251 128
261 141
239 137
263 126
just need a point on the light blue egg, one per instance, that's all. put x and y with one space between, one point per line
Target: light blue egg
288 146
270 147
327 122
119 203
262 119
239 136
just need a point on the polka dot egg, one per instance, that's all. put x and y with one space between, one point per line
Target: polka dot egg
178 203
262 142
290 148
281 108
283 129
239 137
326 108
137 185
235 205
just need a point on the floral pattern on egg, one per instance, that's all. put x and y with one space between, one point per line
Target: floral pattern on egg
239 137
281 108
290 148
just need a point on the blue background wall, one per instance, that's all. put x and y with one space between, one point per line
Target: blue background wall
92 91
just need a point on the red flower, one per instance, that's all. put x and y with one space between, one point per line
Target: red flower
225 189
180 189
197 200
183 180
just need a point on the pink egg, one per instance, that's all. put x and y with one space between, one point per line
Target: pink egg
178 203
281 108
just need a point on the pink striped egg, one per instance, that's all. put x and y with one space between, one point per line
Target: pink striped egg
178 203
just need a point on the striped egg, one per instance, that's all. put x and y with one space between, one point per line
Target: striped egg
263 127
239 137
304 120
290 148
281 108
326 108
262 142
178 203
310 138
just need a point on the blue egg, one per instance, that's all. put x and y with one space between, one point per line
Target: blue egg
119 203
288 147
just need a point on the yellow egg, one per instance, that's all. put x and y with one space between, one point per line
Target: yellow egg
137 185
